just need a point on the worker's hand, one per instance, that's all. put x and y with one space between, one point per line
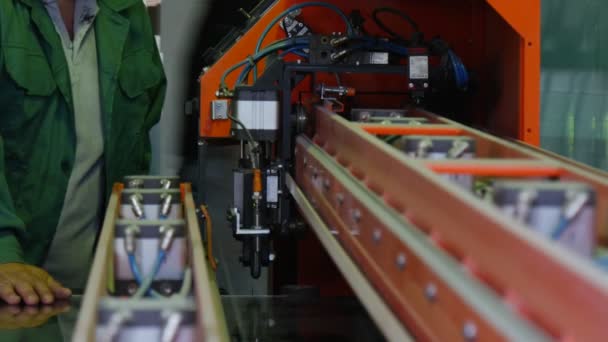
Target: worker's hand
30 284
18 317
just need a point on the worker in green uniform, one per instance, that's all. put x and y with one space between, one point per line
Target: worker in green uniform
81 84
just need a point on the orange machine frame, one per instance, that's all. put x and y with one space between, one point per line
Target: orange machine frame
499 39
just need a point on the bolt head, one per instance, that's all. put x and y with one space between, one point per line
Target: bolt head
377 235
132 288
166 289
357 215
401 261
469 331
430 291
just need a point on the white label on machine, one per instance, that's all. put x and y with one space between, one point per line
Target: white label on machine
272 189
419 67
379 58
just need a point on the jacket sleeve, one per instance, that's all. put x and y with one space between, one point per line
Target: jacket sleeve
10 224
157 93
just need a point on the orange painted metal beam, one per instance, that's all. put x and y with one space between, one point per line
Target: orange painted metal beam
381 129
495 169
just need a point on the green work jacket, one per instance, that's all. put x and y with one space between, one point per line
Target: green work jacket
37 134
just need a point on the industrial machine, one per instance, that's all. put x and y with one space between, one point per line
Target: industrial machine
393 141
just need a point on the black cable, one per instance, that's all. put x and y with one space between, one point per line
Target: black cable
398 13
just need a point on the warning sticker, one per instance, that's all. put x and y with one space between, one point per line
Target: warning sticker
419 67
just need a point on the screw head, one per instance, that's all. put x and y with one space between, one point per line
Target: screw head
377 235
469 331
401 261
426 85
340 198
271 257
165 288
357 215
132 288
411 85
430 291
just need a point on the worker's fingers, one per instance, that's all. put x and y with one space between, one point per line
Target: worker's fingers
58 289
7 293
25 290
44 293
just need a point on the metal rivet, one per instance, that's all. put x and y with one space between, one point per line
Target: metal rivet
426 85
469 331
377 235
430 291
132 288
411 85
165 288
401 261
357 215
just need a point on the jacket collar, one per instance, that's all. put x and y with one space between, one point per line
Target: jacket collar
115 5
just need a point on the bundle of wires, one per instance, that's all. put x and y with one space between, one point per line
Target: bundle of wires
298 45
145 284
461 75
349 27
294 44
